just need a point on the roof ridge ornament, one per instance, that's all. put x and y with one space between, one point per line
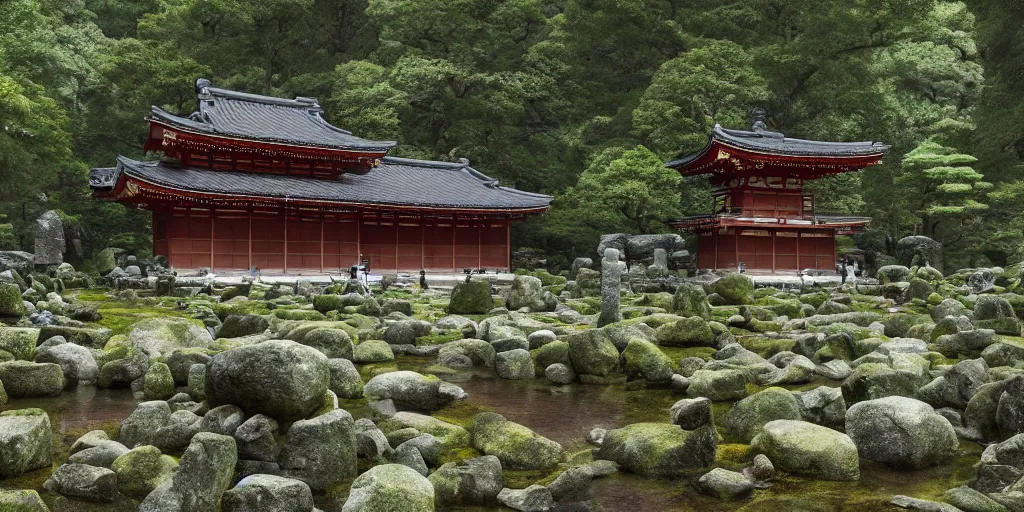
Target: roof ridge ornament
758 116
202 85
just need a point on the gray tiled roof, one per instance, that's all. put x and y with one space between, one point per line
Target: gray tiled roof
397 181
762 140
265 118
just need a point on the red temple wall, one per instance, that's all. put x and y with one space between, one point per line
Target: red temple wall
771 250
236 240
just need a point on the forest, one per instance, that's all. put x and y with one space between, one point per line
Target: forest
580 99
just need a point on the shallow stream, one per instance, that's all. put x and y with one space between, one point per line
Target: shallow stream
564 414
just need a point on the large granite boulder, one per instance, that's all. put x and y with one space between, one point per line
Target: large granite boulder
718 385
345 379
320 451
471 298
141 426
159 336
76 361
50 245
205 472
686 332
514 364
516 446
268 493
28 379
237 326
923 248
20 342
22 501
26 442
526 292
102 455
411 390
282 379
390 487
807 449
691 300
659 449
901 432
644 360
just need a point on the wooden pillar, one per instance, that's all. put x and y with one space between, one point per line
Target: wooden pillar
737 254
286 239
212 217
773 252
479 247
248 214
508 244
397 221
423 244
798 268
714 238
321 241
454 229
359 230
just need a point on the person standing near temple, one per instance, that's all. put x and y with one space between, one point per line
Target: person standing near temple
843 272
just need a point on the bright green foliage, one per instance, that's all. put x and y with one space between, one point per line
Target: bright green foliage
943 189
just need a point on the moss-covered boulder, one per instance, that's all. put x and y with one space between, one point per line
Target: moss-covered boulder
514 365
686 332
84 336
592 353
807 449
735 288
893 274
22 501
282 379
388 488
345 379
718 385
448 435
659 449
19 341
474 481
26 442
159 336
516 446
691 300
479 352
748 416
206 470
321 451
411 390
527 292
901 432
143 469
3 397
158 383
554 352
28 379
237 326
333 343
372 351
11 305
644 360
472 298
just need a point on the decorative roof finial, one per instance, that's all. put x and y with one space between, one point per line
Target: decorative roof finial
201 85
758 115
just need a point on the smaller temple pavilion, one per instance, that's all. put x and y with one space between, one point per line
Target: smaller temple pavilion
255 181
762 219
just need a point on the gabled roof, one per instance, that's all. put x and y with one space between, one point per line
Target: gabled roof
761 140
265 118
397 182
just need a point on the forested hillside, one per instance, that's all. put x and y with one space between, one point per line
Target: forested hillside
581 99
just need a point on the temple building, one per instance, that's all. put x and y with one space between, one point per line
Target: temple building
762 220
255 181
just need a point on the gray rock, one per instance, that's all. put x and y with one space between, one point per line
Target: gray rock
345 379
659 449
540 338
410 390
390 487
158 384
691 413
141 426
143 469
50 244
256 438
90 439
371 442
176 435
725 484
180 362
592 353
22 501
102 455
320 451
1009 415
748 416
516 446
559 373
26 442
924 505
268 493
901 432
527 292
428 446
514 365
823 406
237 326
83 481
76 361
282 379
762 470
535 498
160 335
205 472
836 369
223 420
956 387
474 481
965 498
718 385
405 332
471 298
611 281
